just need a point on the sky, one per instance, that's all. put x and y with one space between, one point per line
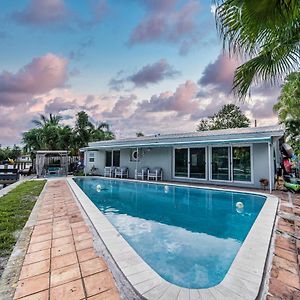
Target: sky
151 66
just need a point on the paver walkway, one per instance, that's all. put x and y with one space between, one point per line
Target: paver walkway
61 262
284 281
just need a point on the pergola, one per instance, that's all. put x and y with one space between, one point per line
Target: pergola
43 159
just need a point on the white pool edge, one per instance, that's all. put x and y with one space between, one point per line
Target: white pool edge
242 281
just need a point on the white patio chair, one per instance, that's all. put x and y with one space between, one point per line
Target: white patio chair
142 174
121 172
155 174
109 171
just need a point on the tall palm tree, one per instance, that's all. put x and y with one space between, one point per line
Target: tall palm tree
266 33
53 120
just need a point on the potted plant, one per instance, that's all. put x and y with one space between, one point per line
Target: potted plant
264 182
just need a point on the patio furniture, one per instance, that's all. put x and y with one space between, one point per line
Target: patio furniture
121 172
143 173
26 171
109 171
155 174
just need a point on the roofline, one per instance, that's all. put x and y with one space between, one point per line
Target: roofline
166 144
267 130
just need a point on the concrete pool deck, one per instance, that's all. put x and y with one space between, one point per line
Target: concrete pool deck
62 263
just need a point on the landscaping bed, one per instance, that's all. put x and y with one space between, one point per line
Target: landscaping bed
15 208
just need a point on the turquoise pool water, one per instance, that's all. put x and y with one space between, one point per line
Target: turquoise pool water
189 236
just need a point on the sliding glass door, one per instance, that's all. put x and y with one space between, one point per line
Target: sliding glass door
190 162
227 163
197 163
232 163
181 162
241 158
220 163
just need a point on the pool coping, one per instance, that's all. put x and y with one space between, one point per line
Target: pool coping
242 281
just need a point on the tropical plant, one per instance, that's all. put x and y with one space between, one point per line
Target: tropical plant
85 131
10 153
288 108
229 116
50 134
139 134
266 33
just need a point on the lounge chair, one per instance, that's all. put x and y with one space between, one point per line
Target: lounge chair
142 174
109 171
121 172
155 174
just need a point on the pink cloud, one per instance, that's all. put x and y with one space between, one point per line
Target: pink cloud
219 74
182 101
164 21
148 74
42 12
122 107
41 75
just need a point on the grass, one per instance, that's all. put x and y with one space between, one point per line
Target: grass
15 208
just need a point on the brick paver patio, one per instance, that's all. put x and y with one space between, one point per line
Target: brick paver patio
61 262
284 278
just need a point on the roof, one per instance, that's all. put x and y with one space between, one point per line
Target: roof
251 134
51 152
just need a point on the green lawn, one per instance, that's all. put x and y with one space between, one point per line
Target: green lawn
15 208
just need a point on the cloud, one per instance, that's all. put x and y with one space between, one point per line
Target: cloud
122 107
42 13
58 105
82 46
168 21
98 10
182 101
56 14
219 74
40 76
149 74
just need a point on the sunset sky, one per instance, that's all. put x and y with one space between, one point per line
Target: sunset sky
154 66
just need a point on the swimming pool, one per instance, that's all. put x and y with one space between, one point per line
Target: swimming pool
189 236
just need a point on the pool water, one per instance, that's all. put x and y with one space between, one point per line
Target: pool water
189 236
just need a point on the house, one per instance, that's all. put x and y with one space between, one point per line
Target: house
235 157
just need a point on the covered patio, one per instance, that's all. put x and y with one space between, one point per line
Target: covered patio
49 163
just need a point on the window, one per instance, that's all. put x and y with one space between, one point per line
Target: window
241 157
181 162
220 163
91 156
112 158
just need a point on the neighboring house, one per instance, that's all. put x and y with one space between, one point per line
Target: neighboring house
26 158
236 157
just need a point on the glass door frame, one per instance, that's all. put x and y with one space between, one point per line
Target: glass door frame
230 163
189 163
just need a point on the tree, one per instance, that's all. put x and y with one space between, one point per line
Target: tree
266 33
139 134
229 116
288 108
53 120
50 134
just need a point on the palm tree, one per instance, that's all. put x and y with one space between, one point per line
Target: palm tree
53 120
264 32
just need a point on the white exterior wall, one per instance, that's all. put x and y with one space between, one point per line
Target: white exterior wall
163 157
